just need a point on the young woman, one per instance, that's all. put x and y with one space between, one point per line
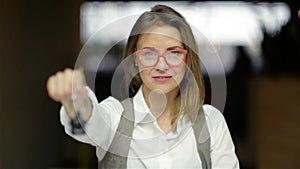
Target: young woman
163 72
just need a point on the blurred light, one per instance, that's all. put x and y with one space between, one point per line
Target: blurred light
223 24
231 23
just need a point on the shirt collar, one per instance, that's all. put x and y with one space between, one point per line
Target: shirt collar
143 114
141 109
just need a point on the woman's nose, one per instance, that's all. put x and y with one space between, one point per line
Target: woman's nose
161 64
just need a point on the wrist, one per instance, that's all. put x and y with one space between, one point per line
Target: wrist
78 125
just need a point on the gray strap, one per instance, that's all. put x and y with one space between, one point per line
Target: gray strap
203 139
116 156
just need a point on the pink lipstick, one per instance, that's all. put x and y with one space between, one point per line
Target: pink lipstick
162 78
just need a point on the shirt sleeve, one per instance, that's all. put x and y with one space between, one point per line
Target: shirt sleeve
102 125
222 148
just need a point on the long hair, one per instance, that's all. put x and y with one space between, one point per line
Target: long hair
191 96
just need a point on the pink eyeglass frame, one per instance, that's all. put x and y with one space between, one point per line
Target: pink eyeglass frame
161 55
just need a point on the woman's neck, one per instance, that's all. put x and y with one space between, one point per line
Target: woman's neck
162 106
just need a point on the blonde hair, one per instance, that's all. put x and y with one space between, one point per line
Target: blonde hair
190 96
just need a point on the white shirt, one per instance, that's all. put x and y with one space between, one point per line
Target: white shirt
151 147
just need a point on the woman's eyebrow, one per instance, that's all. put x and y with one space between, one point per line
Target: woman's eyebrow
152 48
169 48
174 47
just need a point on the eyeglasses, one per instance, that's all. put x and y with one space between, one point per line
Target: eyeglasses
150 57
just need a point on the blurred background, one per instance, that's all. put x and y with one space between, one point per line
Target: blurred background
258 43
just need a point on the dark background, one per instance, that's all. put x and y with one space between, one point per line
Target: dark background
39 38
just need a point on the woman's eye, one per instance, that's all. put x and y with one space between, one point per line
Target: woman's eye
174 53
148 54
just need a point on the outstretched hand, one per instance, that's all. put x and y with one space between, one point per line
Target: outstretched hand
69 88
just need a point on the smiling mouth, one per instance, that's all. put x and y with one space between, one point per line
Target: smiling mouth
162 78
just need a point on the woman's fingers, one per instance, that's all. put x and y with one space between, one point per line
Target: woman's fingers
59 86
67 86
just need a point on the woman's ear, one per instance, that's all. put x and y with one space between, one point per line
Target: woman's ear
136 65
